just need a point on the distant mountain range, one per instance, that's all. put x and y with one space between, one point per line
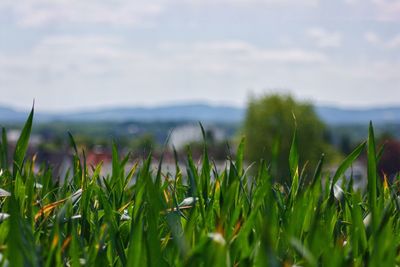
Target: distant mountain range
200 112
333 115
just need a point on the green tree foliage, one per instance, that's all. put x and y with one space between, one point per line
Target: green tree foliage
269 127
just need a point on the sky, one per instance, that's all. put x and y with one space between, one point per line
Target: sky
74 54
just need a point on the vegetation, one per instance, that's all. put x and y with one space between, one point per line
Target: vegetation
196 217
269 125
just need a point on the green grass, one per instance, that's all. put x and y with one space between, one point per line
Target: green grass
197 217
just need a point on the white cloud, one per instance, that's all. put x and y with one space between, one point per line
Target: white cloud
102 66
379 10
352 2
71 70
372 70
80 54
96 55
374 39
240 51
270 3
323 38
37 13
394 42
31 13
69 56
387 10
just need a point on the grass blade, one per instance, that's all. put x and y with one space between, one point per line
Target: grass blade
22 144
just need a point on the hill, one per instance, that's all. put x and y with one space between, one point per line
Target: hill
200 112
333 115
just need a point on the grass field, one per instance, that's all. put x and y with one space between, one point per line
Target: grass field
198 217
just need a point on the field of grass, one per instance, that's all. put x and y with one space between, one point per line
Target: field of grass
197 217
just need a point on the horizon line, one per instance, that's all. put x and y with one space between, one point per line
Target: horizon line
182 103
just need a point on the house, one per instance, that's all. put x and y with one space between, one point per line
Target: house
190 133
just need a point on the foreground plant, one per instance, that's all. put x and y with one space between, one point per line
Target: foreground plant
196 217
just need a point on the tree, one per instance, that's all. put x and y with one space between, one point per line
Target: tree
269 127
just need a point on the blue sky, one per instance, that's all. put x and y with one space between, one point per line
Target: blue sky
74 54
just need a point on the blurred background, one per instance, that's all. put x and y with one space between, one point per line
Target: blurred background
140 71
